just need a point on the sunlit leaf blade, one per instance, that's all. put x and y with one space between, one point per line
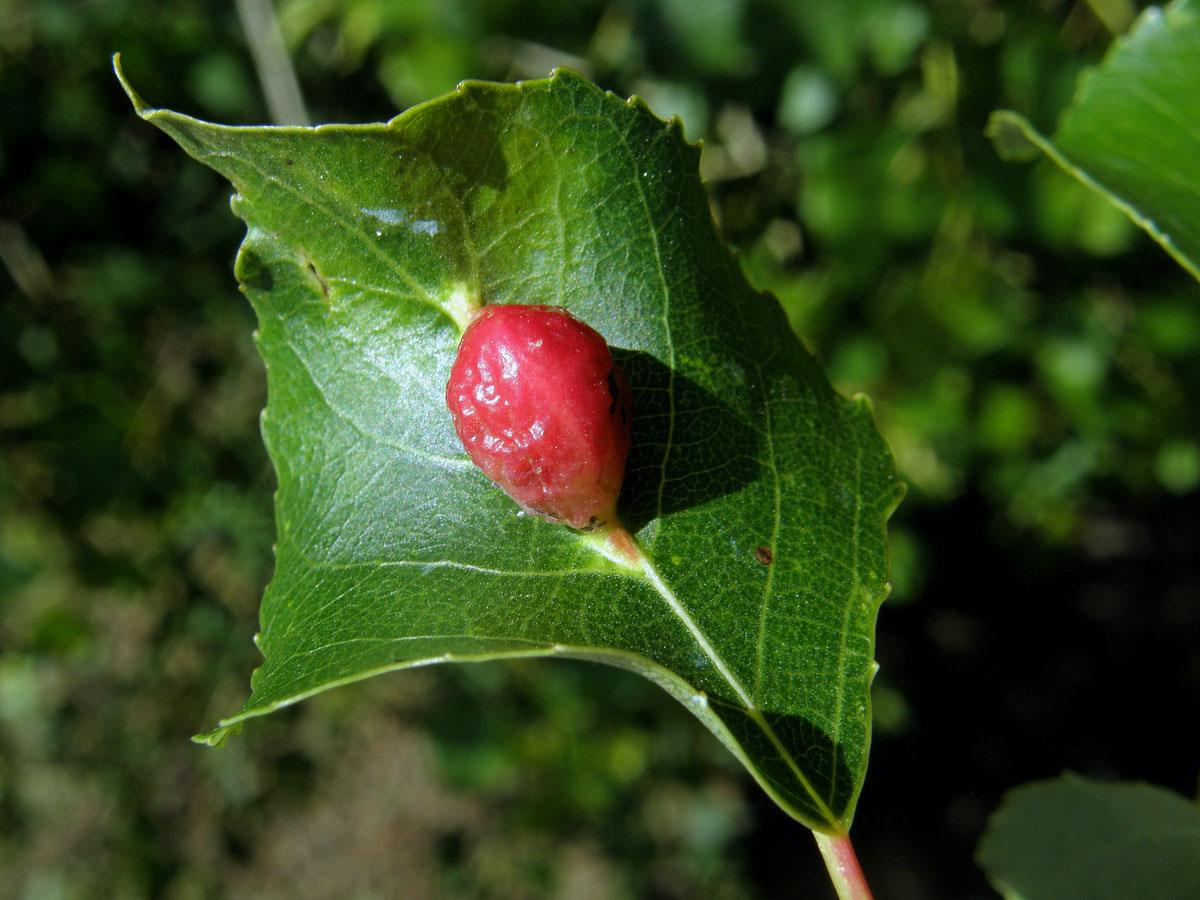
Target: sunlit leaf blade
394 551
1133 130
1074 838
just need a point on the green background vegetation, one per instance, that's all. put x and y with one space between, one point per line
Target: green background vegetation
1034 361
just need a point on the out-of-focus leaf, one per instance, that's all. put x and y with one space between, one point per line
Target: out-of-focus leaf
1076 839
1133 130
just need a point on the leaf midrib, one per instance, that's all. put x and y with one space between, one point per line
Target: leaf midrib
654 577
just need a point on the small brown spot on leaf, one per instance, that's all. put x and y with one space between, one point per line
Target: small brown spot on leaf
764 555
312 270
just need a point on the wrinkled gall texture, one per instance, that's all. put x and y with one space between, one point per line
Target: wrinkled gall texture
542 410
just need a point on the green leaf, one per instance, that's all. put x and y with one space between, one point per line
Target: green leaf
1133 130
1074 838
366 246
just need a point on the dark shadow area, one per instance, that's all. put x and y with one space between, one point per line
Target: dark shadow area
683 433
252 271
816 752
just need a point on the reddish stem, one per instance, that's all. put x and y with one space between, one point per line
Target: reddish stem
617 544
844 870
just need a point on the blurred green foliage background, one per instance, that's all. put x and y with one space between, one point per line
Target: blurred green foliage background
1034 360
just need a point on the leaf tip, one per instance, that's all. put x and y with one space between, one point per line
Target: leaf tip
1012 136
218 736
675 124
143 109
638 102
864 403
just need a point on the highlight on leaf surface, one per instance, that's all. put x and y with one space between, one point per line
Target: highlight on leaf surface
757 496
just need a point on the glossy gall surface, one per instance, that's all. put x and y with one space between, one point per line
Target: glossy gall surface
542 410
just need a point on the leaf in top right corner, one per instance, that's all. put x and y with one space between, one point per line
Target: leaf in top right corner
1132 132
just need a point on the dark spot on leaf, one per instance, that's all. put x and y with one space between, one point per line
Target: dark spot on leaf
764 555
312 270
289 162
252 272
